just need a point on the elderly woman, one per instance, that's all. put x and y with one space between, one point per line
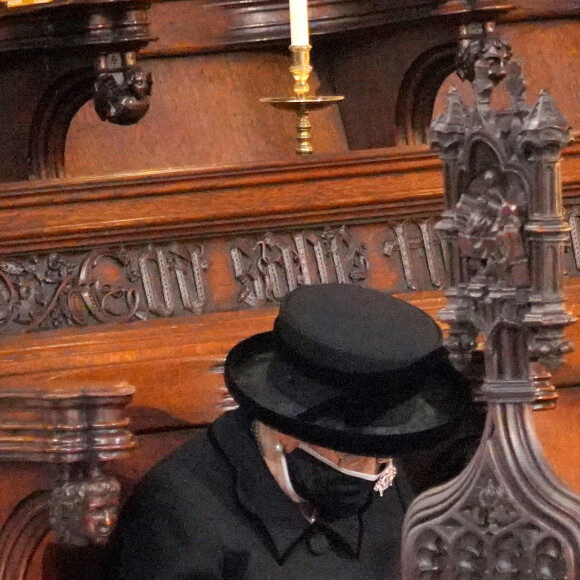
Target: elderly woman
299 482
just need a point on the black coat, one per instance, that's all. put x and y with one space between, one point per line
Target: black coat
213 510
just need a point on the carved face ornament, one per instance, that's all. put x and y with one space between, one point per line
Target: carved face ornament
85 511
497 56
100 517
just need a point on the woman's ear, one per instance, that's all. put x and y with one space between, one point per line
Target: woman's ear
288 442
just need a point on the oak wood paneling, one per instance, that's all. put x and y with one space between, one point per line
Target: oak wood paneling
214 164
171 204
205 111
556 431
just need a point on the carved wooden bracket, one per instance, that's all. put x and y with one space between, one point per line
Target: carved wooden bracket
122 89
77 428
67 51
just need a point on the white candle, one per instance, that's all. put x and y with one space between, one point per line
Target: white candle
299 23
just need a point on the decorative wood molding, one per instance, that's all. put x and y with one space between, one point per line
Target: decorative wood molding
418 92
63 25
229 24
46 291
267 20
49 128
538 9
52 284
64 422
21 535
173 204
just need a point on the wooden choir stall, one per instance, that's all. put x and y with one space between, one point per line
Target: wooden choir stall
153 212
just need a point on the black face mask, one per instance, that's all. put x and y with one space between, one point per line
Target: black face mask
335 494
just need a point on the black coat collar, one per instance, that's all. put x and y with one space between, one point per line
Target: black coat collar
262 498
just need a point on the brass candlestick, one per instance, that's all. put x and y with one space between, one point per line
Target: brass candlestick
302 102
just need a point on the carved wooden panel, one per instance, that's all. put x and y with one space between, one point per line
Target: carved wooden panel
47 291
205 111
48 55
117 284
122 284
196 260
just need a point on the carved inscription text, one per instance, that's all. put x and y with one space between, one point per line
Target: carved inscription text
44 292
277 263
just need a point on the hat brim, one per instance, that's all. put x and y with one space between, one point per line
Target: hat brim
260 380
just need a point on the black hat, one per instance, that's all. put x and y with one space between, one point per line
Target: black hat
351 369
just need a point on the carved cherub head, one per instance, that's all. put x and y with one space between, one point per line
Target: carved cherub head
85 512
124 99
139 82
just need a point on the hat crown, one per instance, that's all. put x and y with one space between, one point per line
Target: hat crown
354 330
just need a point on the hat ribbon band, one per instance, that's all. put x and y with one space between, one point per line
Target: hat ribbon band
355 382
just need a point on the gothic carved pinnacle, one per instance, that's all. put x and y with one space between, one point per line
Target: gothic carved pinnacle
545 125
449 128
